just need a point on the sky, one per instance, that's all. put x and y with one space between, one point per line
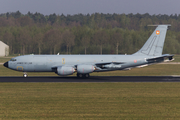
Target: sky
72 7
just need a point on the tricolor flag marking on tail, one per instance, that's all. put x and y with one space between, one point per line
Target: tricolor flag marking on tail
157 32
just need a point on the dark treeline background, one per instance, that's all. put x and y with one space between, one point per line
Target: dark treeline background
84 34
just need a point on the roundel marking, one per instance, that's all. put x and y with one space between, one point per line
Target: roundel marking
157 32
135 61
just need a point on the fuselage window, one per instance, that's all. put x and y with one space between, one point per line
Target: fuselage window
13 59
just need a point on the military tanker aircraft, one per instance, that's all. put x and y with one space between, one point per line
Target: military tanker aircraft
83 65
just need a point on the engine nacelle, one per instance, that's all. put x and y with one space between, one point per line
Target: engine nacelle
65 70
84 69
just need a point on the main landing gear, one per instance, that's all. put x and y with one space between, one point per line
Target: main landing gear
83 75
25 75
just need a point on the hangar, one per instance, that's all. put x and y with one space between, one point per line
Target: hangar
4 49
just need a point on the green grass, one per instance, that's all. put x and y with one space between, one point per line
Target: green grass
90 101
4 59
21 101
176 58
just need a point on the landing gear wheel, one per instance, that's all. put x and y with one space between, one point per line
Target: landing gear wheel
25 75
83 75
79 75
86 75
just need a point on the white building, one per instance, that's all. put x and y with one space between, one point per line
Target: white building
4 49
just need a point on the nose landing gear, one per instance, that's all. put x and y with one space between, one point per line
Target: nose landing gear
25 75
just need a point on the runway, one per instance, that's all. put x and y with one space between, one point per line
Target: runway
94 79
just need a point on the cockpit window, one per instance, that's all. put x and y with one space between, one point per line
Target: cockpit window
13 59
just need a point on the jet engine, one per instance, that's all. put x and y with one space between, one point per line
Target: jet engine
84 69
65 70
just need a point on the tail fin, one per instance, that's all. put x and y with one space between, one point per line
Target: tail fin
154 45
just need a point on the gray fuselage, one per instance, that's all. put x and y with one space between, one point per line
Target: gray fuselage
45 63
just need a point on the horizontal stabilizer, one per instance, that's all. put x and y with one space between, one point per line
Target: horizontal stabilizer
161 58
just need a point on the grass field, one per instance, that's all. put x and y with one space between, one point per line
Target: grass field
176 58
155 101
126 101
4 59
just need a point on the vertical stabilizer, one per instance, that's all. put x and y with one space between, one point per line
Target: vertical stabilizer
154 45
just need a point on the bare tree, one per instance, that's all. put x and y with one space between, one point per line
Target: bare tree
39 40
24 38
53 39
57 39
68 38
25 21
101 39
85 42
116 40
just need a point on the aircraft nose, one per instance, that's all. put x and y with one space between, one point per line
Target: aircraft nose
6 64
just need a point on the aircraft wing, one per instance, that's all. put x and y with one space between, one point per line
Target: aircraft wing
102 65
94 66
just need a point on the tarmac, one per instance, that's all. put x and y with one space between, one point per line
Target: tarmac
94 79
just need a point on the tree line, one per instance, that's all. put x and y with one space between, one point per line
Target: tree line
84 34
